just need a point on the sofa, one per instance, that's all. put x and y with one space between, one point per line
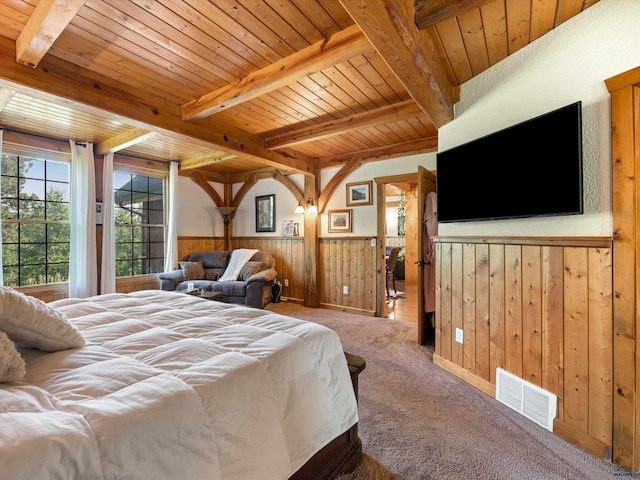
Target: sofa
251 284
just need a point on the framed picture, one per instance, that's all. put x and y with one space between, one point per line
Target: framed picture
359 193
339 221
287 228
266 213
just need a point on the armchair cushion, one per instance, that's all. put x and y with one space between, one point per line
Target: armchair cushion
250 268
192 270
210 274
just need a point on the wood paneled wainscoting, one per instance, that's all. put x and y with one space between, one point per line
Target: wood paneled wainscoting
540 308
343 261
287 251
350 262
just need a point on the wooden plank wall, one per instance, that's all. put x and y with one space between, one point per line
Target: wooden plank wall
289 255
343 261
349 261
539 308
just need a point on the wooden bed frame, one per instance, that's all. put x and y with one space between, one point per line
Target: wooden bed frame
343 453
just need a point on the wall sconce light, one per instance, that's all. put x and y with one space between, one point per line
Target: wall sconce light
311 208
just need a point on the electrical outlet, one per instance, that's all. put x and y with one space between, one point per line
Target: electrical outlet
345 289
286 282
459 335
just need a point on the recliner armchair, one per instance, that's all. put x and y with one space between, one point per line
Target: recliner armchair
253 287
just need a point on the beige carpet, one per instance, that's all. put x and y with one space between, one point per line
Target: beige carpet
418 421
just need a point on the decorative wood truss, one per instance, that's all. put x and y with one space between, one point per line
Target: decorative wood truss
230 89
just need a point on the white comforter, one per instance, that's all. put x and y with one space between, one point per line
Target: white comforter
174 387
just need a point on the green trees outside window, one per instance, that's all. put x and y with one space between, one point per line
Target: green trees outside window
139 218
34 208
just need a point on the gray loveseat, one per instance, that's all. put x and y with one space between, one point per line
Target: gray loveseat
253 286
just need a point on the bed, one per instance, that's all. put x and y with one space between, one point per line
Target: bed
164 385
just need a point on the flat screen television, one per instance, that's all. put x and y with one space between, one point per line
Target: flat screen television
530 169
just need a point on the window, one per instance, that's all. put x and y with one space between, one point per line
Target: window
139 218
34 204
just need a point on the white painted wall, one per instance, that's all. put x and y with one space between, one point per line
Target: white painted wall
198 216
363 221
568 64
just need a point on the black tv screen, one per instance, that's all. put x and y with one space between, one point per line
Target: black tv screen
531 169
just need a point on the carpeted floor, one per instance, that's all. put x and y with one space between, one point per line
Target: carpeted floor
418 421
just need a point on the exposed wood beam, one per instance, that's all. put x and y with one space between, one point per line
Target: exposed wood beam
337 179
429 12
326 53
232 178
291 186
93 93
410 53
311 246
199 179
403 149
344 125
246 186
46 23
6 94
206 175
123 140
204 160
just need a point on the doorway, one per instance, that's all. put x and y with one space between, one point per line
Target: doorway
401 233
415 266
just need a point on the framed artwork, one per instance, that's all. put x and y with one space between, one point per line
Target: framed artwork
359 193
266 213
339 221
287 228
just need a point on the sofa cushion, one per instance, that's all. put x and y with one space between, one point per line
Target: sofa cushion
249 268
231 288
211 274
192 270
211 259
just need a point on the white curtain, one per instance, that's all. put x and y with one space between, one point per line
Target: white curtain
1 269
82 259
171 254
108 270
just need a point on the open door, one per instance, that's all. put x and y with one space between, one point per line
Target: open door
426 184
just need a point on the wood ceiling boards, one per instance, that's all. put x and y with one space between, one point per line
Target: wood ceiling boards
228 87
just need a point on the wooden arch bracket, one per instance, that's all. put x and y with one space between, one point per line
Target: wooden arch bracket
200 180
344 172
292 187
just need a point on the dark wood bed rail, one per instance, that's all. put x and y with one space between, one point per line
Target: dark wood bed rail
343 453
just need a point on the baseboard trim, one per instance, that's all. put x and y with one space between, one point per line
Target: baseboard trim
342 308
465 375
582 439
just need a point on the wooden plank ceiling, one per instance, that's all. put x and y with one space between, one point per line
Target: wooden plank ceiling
229 87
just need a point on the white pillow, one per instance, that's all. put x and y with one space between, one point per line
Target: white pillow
30 321
12 366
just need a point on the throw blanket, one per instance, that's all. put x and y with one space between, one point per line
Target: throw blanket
238 259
